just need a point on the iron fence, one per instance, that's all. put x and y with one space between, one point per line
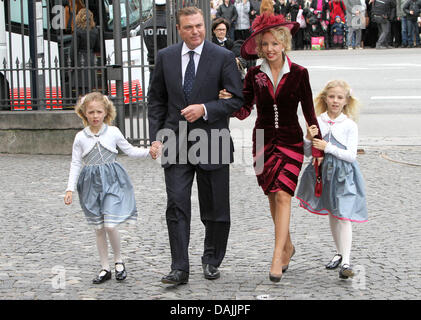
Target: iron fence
50 56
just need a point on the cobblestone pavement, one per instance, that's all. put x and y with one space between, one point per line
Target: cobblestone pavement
49 252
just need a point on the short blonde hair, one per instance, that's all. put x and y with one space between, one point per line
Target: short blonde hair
282 34
351 109
84 101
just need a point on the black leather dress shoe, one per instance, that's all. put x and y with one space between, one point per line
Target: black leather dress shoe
210 272
120 275
102 277
176 277
335 262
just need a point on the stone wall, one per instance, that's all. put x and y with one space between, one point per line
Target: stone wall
38 132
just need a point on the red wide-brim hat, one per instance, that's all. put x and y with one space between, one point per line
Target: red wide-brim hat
263 23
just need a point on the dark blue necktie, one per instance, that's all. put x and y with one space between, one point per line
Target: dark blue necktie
189 77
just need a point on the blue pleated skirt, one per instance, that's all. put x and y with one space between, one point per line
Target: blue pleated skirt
106 195
343 193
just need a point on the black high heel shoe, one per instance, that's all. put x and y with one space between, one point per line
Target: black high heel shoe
120 275
274 277
102 278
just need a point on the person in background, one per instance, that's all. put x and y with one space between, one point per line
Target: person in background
321 9
381 12
227 11
338 33
401 17
242 26
355 21
412 10
254 9
84 44
395 38
220 26
154 27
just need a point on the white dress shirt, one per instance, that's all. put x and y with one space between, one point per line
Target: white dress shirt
185 58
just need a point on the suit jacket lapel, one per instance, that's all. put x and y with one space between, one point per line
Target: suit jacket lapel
178 71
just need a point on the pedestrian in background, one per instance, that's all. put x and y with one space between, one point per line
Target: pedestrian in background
242 26
381 13
84 44
220 27
105 191
227 11
342 195
412 9
154 28
355 21
401 17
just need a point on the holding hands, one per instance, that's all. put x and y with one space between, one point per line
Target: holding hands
312 131
155 150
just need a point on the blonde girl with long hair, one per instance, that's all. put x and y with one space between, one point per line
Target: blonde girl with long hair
342 185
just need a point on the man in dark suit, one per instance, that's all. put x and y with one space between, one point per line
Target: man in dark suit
189 121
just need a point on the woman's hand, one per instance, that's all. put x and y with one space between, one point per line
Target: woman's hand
319 144
68 197
312 131
224 94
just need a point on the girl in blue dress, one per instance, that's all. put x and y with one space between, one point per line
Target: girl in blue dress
343 190
105 191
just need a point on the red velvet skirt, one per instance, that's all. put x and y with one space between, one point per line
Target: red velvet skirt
278 166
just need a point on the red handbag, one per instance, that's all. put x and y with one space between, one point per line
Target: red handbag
318 187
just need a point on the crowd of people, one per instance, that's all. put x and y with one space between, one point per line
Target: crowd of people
343 24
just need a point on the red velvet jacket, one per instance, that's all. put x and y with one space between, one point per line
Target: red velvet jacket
293 88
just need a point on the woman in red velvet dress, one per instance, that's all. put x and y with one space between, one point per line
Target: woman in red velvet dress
276 87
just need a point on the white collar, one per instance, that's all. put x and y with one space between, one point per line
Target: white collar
266 68
89 133
198 49
324 116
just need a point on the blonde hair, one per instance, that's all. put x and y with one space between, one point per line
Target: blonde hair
351 109
282 34
85 19
266 6
84 101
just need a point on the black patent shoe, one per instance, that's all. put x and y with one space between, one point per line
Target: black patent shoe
210 272
176 277
335 262
120 275
100 278
346 272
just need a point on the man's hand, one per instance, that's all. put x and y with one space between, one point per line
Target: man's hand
193 112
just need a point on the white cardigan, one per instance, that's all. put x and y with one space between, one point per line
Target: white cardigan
109 137
344 130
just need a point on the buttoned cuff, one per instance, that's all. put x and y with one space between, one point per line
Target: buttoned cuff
205 116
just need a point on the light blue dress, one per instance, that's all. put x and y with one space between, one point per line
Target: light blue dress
343 194
106 193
